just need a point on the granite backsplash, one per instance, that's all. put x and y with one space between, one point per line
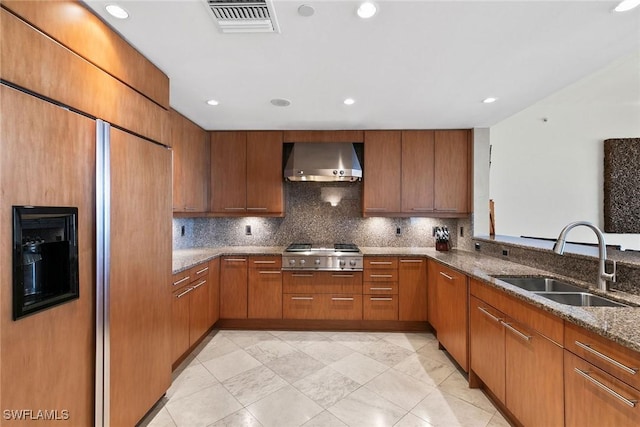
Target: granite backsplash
312 217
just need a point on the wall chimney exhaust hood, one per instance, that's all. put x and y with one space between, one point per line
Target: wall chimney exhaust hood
323 161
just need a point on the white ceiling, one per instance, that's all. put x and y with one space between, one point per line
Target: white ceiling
415 64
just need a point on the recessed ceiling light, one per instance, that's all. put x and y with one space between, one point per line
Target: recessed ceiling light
117 11
626 5
280 102
212 102
489 100
349 101
367 10
306 10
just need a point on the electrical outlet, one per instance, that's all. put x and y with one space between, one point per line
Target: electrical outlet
182 230
461 231
476 246
247 230
398 231
505 252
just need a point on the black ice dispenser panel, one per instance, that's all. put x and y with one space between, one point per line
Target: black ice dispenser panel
45 258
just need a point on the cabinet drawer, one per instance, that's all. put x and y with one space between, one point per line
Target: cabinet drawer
200 270
178 280
377 262
595 398
301 306
265 262
380 288
380 307
380 275
613 358
342 306
322 282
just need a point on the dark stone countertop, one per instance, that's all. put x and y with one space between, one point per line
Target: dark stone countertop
615 323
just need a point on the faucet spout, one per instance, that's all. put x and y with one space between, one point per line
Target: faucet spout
603 276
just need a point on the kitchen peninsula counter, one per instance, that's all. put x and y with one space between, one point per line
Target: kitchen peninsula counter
617 324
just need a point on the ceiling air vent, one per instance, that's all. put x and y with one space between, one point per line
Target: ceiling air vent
244 16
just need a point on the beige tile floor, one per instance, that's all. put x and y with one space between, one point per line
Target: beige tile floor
321 379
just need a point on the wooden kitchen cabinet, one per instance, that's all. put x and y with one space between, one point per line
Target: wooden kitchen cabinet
233 287
417 173
452 172
265 287
451 299
412 289
594 398
180 308
486 341
246 173
382 172
322 295
214 291
516 352
380 288
190 147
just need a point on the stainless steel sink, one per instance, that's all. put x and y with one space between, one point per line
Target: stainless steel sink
540 284
582 299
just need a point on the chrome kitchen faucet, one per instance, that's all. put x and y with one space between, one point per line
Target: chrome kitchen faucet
603 276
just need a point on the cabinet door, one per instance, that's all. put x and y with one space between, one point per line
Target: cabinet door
417 171
228 172
382 166
264 172
233 288
452 171
534 376
412 289
214 291
451 299
380 307
341 306
594 398
486 343
180 309
265 293
432 295
199 314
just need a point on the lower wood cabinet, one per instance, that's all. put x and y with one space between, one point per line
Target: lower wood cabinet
513 355
265 287
450 296
233 287
214 290
380 288
322 295
412 289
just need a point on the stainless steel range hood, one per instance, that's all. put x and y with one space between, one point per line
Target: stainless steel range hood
320 161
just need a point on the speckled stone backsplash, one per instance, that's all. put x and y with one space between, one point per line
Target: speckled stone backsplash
579 267
310 217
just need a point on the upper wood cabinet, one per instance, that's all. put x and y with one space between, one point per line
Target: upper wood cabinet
190 164
246 173
417 173
382 167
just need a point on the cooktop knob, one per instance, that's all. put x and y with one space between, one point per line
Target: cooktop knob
302 262
342 263
292 261
317 262
352 263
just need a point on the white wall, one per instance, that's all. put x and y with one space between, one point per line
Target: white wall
547 161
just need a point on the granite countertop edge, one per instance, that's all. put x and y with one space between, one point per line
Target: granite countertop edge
616 324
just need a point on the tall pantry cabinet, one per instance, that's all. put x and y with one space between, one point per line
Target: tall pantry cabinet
100 361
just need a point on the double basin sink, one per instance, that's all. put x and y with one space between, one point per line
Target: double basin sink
561 292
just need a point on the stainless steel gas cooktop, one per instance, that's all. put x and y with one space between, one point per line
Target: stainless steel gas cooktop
306 256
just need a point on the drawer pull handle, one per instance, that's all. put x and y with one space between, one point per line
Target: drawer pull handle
376 209
378 276
256 209
183 293
235 259
233 209
491 316
446 275
342 275
412 260
380 263
302 275
517 332
264 262
270 272
381 299
199 284
614 362
181 280
202 271
585 375
380 289
302 298
189 208
342 299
